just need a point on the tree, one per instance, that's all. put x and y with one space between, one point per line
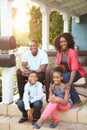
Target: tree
35 24
56 25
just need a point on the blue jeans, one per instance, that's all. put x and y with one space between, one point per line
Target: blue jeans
37 105
74 95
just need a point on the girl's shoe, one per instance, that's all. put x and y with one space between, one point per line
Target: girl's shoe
36 126
53 124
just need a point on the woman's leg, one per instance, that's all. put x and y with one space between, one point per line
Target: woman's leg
74 95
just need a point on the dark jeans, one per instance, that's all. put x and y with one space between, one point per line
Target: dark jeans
37 105
74 95
21 81
66 77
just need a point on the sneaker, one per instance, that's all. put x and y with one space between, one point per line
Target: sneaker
22 120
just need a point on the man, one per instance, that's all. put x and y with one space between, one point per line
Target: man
33 59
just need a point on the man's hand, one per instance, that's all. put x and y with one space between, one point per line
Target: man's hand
25 72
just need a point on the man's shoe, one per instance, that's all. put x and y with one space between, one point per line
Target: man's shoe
22 120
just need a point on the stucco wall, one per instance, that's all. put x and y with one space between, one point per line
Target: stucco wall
79 31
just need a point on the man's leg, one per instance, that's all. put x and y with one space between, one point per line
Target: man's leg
21 80
48 80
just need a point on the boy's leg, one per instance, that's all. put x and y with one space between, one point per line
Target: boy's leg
37 105
24 113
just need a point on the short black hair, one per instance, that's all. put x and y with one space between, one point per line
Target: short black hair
33 71
58 69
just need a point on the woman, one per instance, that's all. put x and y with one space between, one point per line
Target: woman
67 57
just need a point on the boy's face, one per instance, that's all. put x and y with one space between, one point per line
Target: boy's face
57 77
32 78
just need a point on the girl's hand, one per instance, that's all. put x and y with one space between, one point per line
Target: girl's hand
53 99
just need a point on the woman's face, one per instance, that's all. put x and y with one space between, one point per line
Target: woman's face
63 44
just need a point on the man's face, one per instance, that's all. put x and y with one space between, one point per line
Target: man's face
33 47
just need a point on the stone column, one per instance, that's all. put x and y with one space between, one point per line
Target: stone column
45 27
7 73
6 17
66 22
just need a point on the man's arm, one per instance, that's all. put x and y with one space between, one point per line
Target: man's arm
42 68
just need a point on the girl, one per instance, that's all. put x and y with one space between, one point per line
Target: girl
59 99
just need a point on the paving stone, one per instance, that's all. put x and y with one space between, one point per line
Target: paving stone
3 109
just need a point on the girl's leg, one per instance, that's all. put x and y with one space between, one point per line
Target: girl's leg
50 108
64 108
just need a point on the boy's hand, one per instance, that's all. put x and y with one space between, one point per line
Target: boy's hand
30 116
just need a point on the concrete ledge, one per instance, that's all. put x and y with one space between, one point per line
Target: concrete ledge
69 116
3 109
82 114
13 110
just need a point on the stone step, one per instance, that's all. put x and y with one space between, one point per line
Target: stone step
11 123
74 115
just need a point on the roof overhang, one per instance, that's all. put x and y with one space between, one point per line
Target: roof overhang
71 7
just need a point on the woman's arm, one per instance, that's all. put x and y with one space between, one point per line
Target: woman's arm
73 74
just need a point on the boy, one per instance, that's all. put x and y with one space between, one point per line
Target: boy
32 98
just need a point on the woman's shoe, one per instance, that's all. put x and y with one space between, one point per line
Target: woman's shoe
77 104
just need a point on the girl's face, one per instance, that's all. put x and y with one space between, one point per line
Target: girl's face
63 44
57 77
32 78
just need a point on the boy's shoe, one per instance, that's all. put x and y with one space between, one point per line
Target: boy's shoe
33 122
53 124
22 120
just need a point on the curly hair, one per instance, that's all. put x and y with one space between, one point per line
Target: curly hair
69 38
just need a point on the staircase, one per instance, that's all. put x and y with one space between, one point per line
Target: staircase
74 119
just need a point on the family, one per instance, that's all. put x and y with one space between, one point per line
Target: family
62 93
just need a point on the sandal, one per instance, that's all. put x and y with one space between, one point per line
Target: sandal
53 124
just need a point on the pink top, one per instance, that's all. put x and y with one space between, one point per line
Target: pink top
73 62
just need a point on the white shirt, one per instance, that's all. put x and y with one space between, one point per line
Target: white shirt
34 62
32 93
